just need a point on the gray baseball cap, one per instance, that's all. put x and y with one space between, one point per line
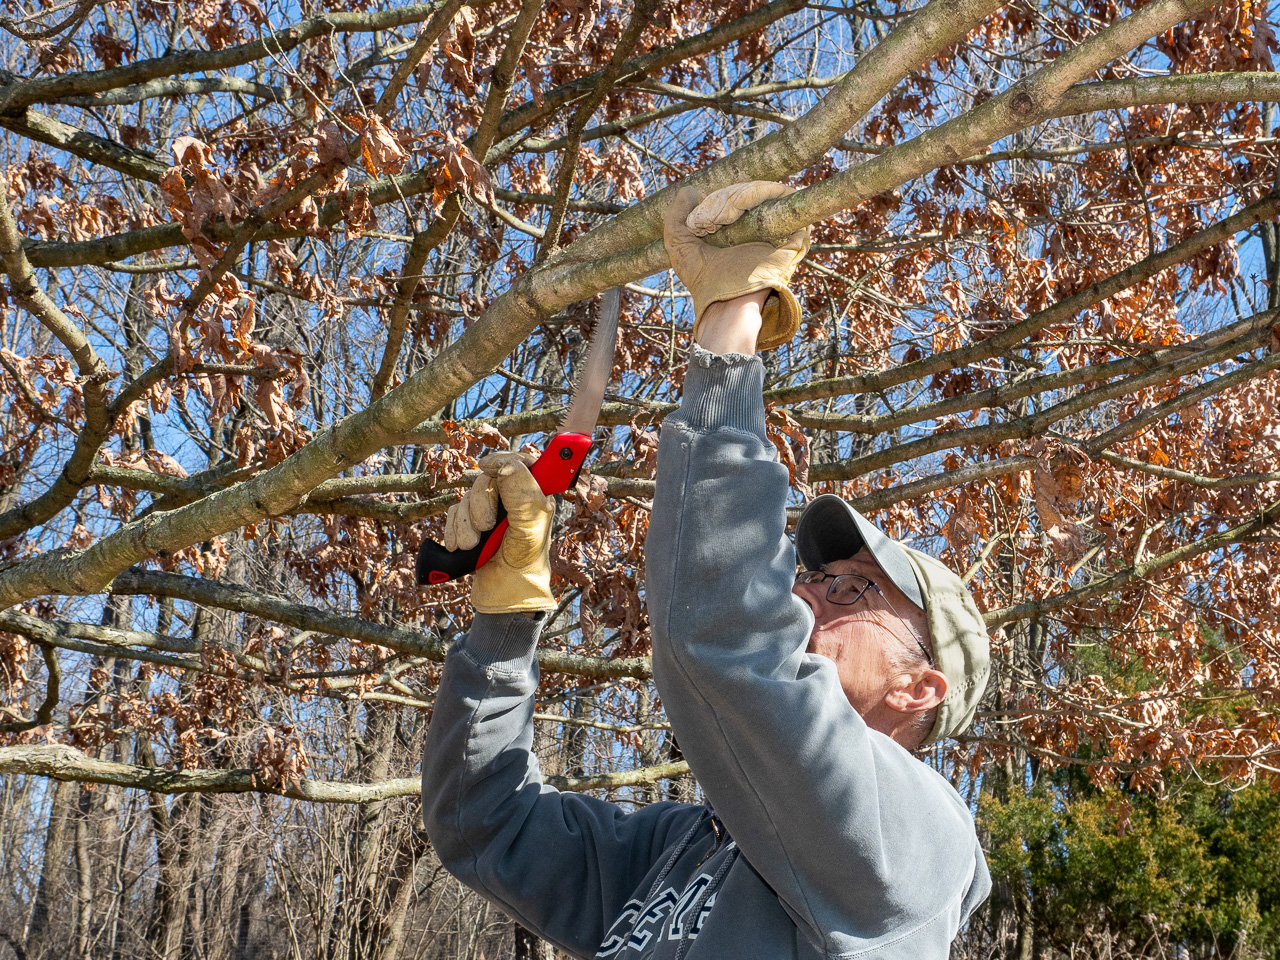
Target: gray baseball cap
829 529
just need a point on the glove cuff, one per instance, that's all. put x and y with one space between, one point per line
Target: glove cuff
781 316
506 590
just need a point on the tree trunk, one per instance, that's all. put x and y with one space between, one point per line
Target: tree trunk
52 871
84 877
529 947
398 895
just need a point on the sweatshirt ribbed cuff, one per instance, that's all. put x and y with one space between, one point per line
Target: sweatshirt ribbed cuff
723 391
505 640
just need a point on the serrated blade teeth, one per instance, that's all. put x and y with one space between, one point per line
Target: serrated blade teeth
588 392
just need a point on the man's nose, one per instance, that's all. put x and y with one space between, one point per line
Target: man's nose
812 593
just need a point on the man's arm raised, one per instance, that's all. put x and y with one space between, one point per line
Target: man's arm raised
563 865
846 827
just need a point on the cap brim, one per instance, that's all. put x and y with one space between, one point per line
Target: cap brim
829 529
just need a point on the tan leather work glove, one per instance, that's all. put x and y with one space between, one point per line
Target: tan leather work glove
517 579
713 274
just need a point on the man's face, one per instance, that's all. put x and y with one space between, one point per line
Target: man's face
867 641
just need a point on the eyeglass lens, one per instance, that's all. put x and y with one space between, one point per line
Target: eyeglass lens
845 588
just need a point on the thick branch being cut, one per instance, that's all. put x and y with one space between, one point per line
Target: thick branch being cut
479 350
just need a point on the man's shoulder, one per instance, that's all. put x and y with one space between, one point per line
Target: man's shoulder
929 789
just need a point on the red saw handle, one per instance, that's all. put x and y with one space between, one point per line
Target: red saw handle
556 471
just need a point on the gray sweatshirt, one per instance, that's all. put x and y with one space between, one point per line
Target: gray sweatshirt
819 838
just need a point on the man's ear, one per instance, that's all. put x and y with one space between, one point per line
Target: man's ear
915 695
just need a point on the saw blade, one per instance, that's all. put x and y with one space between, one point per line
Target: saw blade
588 394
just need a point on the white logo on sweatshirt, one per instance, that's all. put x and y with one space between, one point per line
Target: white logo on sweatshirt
640 921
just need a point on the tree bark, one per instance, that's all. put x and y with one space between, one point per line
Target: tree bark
84 875
50 890
529 947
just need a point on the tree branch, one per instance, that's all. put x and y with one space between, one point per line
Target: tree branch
1035 424
1176 88
425 241
228 596
171 87
1060 312
532 112
1183 476
60 762
44 713
14 96
581 117
430 34
635 235
87 146
1136 573
98 641
94 376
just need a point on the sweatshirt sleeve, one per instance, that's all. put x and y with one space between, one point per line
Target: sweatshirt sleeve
562 864
861 841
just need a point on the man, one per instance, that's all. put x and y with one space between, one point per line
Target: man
795 700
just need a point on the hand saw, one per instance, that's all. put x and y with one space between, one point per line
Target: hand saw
561 462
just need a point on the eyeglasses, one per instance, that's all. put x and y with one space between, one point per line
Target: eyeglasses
848 588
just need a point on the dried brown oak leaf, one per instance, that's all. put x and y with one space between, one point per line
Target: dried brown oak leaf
196 196
379 146
458 169
1056 487
793 448
459 67
962 525
357 210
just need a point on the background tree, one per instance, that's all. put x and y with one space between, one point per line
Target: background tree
278 274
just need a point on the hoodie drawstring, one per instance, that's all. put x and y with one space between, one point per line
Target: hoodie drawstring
685 939
666 869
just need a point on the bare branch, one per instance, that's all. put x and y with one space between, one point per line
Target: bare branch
531 113
1026 102
44 713
171 87
426 39
1182 476
87 146
1060 312
22 93
1137 573
229 596
1177 88
27 292
60 762
794 147
581 116
1036 424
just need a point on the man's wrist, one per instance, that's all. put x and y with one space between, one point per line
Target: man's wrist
732 326
722 391
507 640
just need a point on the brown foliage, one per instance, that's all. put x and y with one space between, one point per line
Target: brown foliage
933 351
